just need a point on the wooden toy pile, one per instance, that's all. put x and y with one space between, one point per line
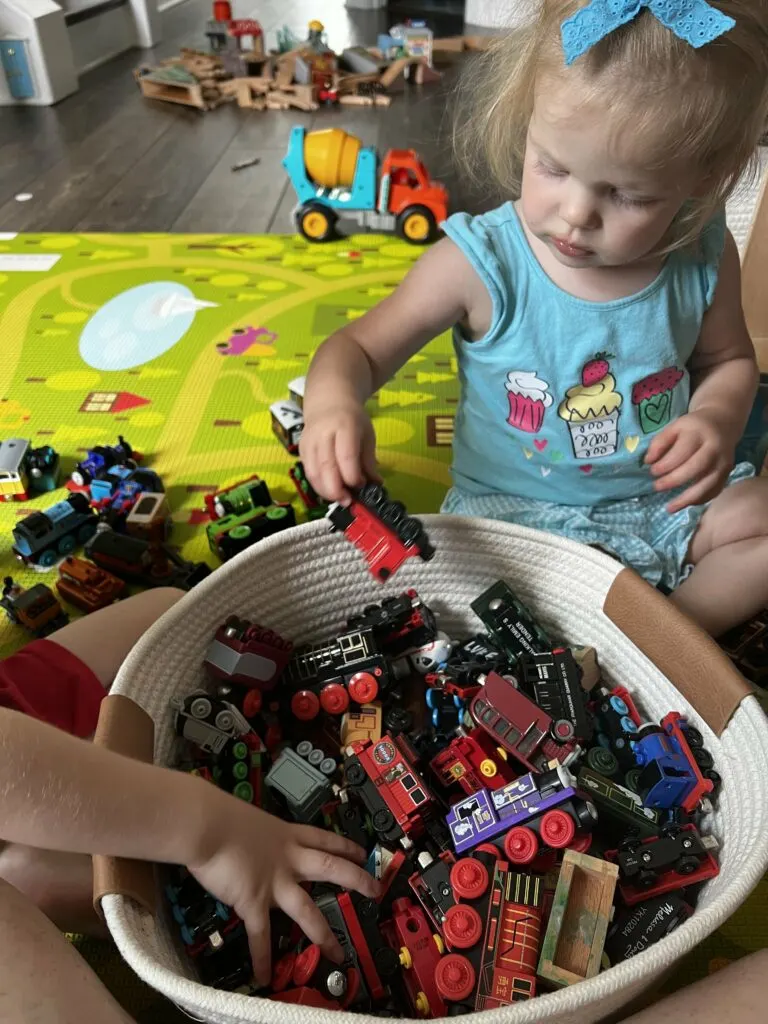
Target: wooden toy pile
301 78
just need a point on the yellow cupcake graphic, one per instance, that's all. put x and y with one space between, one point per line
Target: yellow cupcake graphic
592 410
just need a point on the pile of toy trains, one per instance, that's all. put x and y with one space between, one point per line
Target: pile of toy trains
528 827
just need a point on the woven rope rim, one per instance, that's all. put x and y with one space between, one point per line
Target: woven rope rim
328 575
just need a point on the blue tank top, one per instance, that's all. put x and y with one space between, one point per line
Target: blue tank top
562 396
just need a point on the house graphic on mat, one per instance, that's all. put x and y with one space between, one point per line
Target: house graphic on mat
112 401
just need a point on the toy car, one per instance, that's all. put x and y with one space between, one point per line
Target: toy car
101 458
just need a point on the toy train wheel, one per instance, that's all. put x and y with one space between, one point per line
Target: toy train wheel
521 845
693 736
387 962
421 1004
602 761
714 777
47 558
305 705
224 720
334 699
469 878
393 513
563 730
557 829
383 821
632 779
372 495
455 978
417 225
355 775
462 926
81 477
686 865
410 531
200 708
703 758
66 545
316 223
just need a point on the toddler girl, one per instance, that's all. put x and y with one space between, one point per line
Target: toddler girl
606 371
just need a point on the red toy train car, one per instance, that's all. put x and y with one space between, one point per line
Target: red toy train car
382 530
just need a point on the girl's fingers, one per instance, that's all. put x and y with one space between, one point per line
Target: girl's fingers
661 444
348 444
298 905
320 839
684 448
701 491
690 471
319 866
331 483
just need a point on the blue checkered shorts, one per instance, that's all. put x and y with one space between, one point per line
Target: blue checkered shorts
638 531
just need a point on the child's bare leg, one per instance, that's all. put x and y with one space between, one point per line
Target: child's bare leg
729 583
102 640
734 995
61 884
42 977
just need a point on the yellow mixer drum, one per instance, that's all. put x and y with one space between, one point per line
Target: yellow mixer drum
330 157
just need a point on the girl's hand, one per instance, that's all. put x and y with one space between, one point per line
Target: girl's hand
338 449
254 861
696 450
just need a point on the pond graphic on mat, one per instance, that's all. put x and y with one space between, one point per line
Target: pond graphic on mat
591 410
653 397
529 397
139 325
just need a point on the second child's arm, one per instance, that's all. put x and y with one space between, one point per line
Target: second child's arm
337 446
62 793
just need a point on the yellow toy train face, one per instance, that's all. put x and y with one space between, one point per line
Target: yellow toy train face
13 475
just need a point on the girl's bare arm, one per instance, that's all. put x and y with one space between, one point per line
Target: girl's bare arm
338 443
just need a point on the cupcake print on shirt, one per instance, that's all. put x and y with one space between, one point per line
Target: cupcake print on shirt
653 397
591 410
529 397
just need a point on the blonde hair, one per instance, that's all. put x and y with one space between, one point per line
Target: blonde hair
709 104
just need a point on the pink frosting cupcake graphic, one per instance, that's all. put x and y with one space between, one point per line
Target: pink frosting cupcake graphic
653 397
529 397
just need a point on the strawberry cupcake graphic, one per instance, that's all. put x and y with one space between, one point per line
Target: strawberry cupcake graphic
653 397
529 397
591 410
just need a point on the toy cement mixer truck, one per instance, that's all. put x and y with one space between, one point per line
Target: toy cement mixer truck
334 176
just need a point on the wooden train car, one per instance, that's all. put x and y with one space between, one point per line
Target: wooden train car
520 726
578 924
88 587
382 530
36 609
509 622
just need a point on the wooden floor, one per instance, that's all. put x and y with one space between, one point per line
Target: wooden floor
108 160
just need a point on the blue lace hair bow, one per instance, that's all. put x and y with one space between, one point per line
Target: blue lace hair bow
694 21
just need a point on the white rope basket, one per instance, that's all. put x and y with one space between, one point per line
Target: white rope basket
306 582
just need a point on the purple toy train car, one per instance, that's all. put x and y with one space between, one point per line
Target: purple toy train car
489 814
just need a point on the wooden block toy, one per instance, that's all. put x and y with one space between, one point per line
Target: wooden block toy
581 911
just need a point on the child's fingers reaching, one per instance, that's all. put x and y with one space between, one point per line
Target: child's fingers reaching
321 866
321 839
330 482
256 925
298 905
348 457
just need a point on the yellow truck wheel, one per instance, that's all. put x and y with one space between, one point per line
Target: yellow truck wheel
417 225
316 224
